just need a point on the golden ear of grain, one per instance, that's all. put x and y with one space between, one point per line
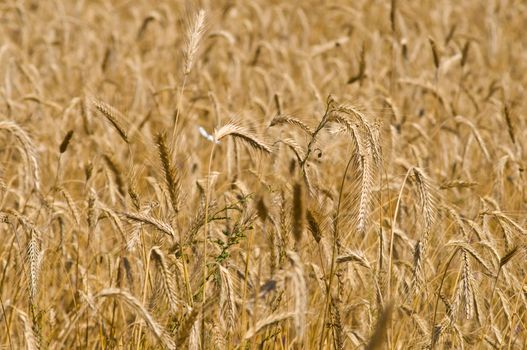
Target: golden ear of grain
117 172
457 184
167 278
300 294
507 257
354 256
151 221
227 298
111 114
427 203
27 147
241 133
365 186
288 119
194 36
188 322
296 148
470 250
266 322
161 333
31 335
357 123
477 135
337 325
313 225
132 192
223 259
467 289
71 204
359 199
417 278
34 255
91 212
34 258
427 200
133 237
172 181
114 218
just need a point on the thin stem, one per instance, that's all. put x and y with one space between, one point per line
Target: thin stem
8 331
489 315
520 317
392 234
333 255
438 295
6 320
207 199
145 284
178 108
314 136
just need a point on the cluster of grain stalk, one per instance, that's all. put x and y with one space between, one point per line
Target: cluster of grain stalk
263 175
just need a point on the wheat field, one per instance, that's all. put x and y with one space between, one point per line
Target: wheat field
263 174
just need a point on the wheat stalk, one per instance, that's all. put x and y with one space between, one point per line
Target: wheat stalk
241 133
194 36
112 115
167 278
27 147
151 221
161 334
173 184
227 298
300 293
266 322
288 119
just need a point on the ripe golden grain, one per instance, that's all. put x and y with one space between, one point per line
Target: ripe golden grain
392 131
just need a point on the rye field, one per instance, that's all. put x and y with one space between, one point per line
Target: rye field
263 174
